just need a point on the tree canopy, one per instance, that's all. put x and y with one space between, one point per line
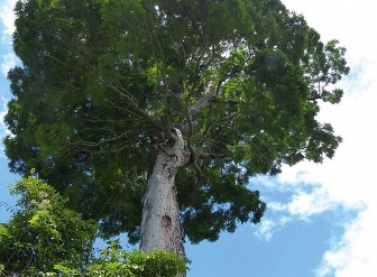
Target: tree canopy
103 82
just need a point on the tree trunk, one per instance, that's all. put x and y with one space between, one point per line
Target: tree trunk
161 226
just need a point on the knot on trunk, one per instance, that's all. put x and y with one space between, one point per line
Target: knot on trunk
175 155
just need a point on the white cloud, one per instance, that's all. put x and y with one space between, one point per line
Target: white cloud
266 229
304 204
350 22
7 17
355 253
8 61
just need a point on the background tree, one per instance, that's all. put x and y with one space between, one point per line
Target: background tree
45 238
126 105
43 232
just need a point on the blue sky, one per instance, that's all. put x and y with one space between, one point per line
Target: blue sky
321 218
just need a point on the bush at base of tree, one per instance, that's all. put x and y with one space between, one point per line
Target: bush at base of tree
43 232
45 238
116 262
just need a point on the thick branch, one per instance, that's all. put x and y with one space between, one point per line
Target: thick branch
134 106
203 101
212 156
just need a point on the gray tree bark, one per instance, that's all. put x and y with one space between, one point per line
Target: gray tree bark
161 226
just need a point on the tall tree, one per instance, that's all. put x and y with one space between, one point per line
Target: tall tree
152 115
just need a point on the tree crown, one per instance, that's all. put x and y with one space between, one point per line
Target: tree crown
102 84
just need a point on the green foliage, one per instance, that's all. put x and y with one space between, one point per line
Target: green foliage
103 82
45 238
113 261
43 232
